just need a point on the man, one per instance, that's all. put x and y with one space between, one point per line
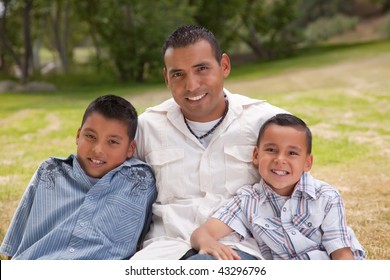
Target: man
199 144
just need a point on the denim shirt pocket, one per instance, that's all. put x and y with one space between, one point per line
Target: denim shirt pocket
121 220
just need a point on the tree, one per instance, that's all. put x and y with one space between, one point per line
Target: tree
131 32
221 17
10 42
6 39
60 27
269 27
28 53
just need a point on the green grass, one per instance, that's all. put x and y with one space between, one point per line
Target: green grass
342 92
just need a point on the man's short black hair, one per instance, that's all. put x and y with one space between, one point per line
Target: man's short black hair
190 34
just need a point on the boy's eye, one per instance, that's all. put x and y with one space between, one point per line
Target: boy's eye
113 142
270 150
89 136
293 153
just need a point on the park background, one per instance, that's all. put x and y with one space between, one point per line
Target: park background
327 61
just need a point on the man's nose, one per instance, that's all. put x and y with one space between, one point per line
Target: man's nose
192 82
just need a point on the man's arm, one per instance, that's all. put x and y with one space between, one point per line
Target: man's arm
205 240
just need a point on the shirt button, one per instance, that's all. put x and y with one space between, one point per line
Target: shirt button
309 224
293 232
284 209
267 225
71 250
82 224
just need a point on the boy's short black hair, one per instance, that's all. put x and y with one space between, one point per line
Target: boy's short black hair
191 34
291 121
114 107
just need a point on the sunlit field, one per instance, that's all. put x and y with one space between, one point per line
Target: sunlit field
342 92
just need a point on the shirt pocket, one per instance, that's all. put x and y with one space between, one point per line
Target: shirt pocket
265 224
239 167
268 231
309 225
166 164
121 220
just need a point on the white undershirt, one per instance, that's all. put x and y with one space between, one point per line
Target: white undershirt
201 128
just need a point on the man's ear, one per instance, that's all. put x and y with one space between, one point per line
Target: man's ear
165 76
255 159
225 64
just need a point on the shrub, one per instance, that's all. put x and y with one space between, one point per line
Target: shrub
325 27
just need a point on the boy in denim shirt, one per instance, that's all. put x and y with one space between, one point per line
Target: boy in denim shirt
96 205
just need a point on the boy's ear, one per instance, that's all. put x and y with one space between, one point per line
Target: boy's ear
78 136
131 150
255 155
308 163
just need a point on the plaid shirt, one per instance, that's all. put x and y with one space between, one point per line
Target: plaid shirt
310 224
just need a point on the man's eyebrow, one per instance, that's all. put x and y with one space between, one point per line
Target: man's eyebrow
176 70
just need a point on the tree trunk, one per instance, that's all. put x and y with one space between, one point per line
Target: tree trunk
28 54
61 32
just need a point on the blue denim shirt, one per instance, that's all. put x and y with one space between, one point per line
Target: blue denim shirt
63 216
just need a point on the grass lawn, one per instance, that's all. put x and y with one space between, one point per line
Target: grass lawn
343 92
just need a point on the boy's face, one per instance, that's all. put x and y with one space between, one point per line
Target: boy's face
102 145
282 157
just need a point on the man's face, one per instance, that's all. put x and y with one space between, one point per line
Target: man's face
195 79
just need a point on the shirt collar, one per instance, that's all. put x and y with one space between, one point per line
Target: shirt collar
72 161
305 185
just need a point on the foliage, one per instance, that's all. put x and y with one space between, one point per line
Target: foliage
341 91
386 27
269 27
326 27
220 16
127 34
132 31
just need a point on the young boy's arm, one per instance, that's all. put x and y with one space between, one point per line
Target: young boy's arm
342 254
205 240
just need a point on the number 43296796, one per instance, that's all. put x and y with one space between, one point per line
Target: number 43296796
247 270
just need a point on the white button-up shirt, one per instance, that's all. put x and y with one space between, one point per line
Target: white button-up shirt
194 181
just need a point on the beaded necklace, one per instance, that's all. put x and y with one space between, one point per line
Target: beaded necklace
213 128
